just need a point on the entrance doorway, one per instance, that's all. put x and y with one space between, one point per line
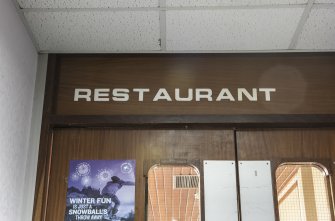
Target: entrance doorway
253 157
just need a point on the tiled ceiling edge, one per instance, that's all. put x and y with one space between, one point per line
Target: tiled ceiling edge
185 3
324 1
241 30
25 24
67 4
47 4
162 25
166 8
319 30
296 48
301 24
95 31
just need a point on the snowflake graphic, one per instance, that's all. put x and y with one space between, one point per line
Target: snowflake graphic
75 177
104 175
83 169
86 181
126 168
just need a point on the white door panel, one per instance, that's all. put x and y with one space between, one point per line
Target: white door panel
256 191
220 190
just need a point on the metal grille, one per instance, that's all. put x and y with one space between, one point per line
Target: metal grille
186 182
168 203
302 193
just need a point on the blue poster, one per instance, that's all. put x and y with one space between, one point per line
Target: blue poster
101 190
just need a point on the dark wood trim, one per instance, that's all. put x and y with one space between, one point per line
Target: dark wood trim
196 121
330 188
237 171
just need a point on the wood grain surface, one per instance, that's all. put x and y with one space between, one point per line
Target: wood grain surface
153 132
305 83
290 146
147 147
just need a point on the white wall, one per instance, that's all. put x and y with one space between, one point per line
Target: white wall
18 62
34 141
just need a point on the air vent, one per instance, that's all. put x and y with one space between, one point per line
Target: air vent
186 182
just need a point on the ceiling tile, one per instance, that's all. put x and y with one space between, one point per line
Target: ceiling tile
319 30
87 3
95 31
178 3
243 29
325 1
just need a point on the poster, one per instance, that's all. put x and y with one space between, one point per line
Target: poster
101 190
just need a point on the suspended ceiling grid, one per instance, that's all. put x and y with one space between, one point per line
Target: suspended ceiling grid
81 26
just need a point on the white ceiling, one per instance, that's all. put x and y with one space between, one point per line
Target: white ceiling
72 26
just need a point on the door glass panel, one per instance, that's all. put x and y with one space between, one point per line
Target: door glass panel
173 193
302 193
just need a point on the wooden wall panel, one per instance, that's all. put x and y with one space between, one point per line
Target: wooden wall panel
145 146
289 145
305 97
305 83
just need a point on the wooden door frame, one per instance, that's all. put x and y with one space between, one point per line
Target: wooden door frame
50 121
